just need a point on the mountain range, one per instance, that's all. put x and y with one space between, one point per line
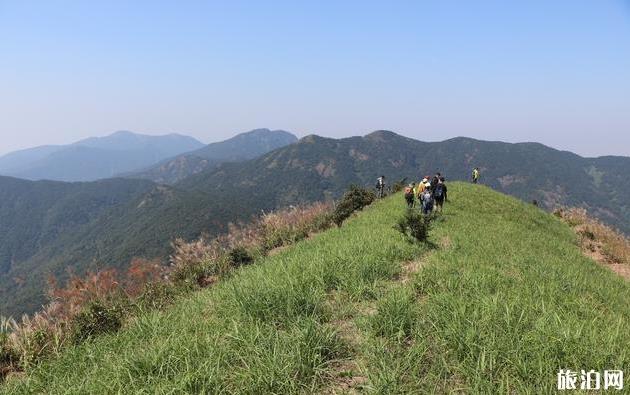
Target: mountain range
95 158
242 147
48 227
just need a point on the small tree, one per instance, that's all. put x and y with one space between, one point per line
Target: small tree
414 225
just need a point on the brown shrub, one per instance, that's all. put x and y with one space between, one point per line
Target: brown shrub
140 273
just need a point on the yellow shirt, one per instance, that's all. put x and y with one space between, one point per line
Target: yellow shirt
420 188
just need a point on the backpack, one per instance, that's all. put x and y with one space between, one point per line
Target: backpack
439 191
427 199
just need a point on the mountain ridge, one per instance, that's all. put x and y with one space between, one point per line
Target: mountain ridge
313 169
243 146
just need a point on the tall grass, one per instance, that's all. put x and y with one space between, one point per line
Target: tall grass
265 329
103 301
508 303
499 308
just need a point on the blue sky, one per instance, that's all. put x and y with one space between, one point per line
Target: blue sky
557 72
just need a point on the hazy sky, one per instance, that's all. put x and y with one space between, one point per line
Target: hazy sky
557 72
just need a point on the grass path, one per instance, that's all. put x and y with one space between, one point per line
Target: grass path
268 329
504 302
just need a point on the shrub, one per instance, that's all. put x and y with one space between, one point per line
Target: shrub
68 301
194 263
414 225
399 185
239 256
141 273
293 224
37 336
157 295
96 319
8 356
356 198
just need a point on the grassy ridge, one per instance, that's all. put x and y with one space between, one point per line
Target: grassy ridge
264 330
508 303
503 302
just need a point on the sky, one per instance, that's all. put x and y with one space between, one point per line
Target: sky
556 72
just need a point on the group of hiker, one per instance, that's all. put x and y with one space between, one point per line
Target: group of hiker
430 194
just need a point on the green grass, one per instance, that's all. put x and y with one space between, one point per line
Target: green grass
504 302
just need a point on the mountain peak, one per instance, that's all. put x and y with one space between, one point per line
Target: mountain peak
382 135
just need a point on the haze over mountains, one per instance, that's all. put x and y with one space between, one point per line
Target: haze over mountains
95 158
47 227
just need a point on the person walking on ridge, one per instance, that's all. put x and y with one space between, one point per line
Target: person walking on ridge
434 181
409 197
475 175
427 201
380 187
439 194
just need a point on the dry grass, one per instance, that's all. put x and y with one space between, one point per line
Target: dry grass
600 242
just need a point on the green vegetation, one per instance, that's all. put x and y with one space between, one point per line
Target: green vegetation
239 148
355 199
415 225
505 300
53 227
317 168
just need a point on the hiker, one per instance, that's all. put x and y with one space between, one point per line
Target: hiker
439 194
380 187
475 175
409 195
427 202
434 181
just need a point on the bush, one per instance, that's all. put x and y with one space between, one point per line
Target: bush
96 319
8 356
239 256
399 185
414 225
157 296
356 198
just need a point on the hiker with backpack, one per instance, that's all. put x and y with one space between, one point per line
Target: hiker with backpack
427 201
439 194
380 187
475 175
434 181
409 195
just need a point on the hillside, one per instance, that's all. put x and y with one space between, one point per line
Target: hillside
501 301
239 148
318 168
95 158
313 169
51 227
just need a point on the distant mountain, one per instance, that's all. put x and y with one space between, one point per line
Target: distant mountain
48 227
242 147
95 158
